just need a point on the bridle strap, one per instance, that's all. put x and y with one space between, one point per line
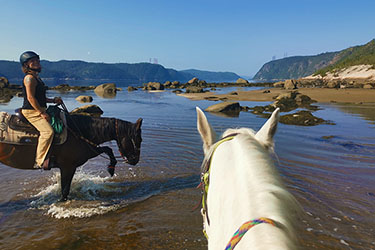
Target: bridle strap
205 176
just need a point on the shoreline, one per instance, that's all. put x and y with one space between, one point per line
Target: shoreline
321 95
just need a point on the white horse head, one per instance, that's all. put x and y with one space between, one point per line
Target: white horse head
244 186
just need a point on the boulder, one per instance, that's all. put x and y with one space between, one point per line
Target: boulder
90 110
131 88
172 85
224 107
194 89
368 86
333 84
286 102
106 88
303 99
4 83
242 81
167 84
278 84
194 81
154 86
202 83
84 98
290 84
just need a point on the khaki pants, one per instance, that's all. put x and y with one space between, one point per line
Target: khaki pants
46 134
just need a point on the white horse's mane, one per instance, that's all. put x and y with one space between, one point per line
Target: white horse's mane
245 185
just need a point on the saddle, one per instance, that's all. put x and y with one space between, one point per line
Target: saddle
16 129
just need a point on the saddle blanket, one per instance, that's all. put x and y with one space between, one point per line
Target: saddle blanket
13 130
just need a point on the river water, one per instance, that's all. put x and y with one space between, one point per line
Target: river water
329 168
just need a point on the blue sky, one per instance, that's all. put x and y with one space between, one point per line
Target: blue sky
237 35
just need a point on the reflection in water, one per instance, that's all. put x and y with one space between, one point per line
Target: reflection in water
107 95
366 111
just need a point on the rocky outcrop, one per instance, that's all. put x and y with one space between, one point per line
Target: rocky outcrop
288 102
302 118
7 90
84 98
224 107
67 87
90 110
324 83
193 81
194 89
4 83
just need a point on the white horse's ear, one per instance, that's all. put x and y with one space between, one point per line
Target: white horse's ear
205 130
266 133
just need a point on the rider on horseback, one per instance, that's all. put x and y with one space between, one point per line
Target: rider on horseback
35 104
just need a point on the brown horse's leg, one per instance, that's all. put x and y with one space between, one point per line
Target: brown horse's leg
113 161
66 180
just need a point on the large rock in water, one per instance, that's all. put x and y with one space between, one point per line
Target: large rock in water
84 98
224 107
194 89
155 86
90 110
242 81
106 90
302 118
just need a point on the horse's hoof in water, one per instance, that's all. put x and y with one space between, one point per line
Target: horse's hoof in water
63 199
111 170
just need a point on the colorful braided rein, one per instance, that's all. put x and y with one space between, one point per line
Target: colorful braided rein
244 228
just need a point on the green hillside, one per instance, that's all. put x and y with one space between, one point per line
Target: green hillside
364 54
293 67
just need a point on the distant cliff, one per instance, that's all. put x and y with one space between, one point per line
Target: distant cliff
294 67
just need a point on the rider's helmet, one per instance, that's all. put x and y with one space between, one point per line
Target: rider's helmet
26 56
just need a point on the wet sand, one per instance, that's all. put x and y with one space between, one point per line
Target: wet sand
322 95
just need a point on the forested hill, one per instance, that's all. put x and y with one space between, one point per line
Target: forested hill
137 72
357 55
301 66
80 70
294 67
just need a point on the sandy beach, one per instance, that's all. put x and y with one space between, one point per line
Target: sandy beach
322 95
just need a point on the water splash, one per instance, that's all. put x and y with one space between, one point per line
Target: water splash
90 195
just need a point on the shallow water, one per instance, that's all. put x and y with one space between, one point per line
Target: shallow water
329 168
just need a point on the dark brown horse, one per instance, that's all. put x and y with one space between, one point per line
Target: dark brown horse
85 134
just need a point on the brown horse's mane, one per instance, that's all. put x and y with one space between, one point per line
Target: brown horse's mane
97 129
